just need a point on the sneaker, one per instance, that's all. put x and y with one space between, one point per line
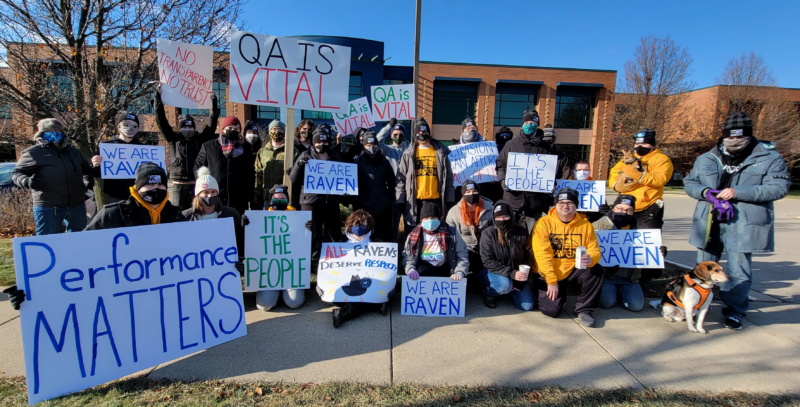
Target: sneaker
490 301
734 323
587 319
344 313
384 308
337 317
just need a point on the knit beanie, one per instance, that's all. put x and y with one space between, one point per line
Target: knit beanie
737 124
530 116
502 209
276 123
624 199
321 135
278 189
400 127
205 181
50 124
469 185
325 128
150 173
369 137
468 122
566 194
419 125
430 210
646 136
549 132
123 115
229 121
186 120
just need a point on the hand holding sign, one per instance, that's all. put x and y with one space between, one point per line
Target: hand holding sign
330 178
355 272
637 248
433 297
531 172
185 74
120 161
474 161
277 250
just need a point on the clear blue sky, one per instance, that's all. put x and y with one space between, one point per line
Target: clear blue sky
572 34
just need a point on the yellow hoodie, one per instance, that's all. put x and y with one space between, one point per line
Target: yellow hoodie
554 244
651 185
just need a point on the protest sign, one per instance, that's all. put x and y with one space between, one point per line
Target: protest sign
474 161
358 114
531 172
433 297
288 72
277 249
637 248
104 304
330 178
186 74
390 101
120 161
355 272
591 194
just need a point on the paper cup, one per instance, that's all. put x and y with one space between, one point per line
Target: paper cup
524 270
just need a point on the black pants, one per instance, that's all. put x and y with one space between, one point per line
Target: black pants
475 261
182 196
383 225
591 282
650 218
327 226
426 270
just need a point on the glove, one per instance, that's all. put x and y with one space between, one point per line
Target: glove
239 266
723 208
16 297
413 275
32 182
245 220
631 172
663 250
310 226
214 104
503 185
392 121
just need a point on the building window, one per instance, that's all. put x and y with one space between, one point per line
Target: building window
575 152
355 86
575 108
60 86
396 82
143 105
222 97
511 101
266 112
5 111
453 101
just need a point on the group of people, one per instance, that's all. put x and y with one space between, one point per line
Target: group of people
488 230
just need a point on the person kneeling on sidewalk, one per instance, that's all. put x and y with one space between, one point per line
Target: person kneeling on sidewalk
505 249
555 240
434 249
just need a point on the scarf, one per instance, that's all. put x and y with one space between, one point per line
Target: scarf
441 233
732 163
155 214
231 149
474 218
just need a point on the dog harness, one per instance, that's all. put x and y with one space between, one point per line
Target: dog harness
674 287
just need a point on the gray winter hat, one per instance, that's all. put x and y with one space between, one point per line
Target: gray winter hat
50 124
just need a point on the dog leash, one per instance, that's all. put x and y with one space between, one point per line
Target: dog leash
708 225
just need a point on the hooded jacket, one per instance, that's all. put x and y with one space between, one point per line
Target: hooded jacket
406 189
183 151
392 152
469 233
376 180
505 260
651 185
554 243
236 176
129 213
462 141
60 174
501 144
298 177
457 255
117 188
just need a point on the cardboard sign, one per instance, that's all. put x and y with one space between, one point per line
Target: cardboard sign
591 194
277 249
104 304
288 72
474 161
354 272
637 248
186 74
358 115
390 101
330 178
433 297
531 172
120 161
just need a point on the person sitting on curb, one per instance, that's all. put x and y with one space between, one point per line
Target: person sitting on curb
434 249
505 246
556 237
471 215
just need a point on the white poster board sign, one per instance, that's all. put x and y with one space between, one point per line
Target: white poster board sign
531 172
277 249
186 74
120 161
474 161
637 248
353 272
358 114
393 101
288 72
330 178
433 297
591 194
104 304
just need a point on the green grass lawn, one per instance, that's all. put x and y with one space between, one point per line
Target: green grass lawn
6 263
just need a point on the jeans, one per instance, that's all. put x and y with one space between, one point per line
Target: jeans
293 298
49 219
182 196
500 285
623 289
735 292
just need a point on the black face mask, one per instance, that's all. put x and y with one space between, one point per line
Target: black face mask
373 151
423 137
209 200
232 135
621 219
304 135
642 151
472 199
154 196
504 225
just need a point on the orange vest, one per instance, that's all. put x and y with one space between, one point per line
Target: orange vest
697 287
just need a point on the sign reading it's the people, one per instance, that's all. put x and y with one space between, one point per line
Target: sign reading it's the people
277 249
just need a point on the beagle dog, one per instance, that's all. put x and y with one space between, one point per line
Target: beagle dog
691 295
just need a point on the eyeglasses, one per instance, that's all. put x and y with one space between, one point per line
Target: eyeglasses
565 204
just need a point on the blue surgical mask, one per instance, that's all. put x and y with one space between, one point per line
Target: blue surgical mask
530 128
430 224
359 230
53 136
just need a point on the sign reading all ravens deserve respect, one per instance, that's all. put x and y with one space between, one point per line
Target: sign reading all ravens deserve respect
354 272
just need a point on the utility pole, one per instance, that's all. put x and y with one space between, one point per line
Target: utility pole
288 151
416 57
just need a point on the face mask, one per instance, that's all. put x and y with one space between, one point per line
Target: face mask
530 128
642 151
251 138
280 204
470 136
430 225
53 136
188 133
359 230
733 145
504 225
621 219
582 175
232 135
472 199
278 136
372 150
129 132
320 149
209 200
423 137
304 135
397 140
154 196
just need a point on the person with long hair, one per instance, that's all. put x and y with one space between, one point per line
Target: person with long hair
207 205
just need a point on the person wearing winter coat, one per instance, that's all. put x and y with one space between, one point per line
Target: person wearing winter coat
493 190
358 146
269 163
183 147
555 240
505 246
206 205
620 284
470 217
376 181
434 249
303 135
529 206
424 175
58 177
127 125
736 185
230 160
148 203
502 137
469 134
393 153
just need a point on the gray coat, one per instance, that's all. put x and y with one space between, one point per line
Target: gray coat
468 233
393 153
407 179
762 179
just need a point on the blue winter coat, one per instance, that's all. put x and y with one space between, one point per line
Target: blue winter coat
762 179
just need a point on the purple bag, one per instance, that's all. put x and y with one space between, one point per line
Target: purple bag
723 208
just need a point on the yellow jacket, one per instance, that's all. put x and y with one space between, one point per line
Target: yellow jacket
651 185
554 244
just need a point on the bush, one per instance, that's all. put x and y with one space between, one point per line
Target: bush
16 213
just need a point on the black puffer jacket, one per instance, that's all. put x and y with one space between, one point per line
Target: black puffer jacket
60 175
129 213
298 177
376 183
183 151
236 176
505 260
226 212
117 188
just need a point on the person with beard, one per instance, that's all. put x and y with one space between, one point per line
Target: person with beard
504 247
231 163
620 284
184 146
376 181
325 213
128 126
493 190
434 249
58 177
736 184
206 205
469 217
269 164
529 206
